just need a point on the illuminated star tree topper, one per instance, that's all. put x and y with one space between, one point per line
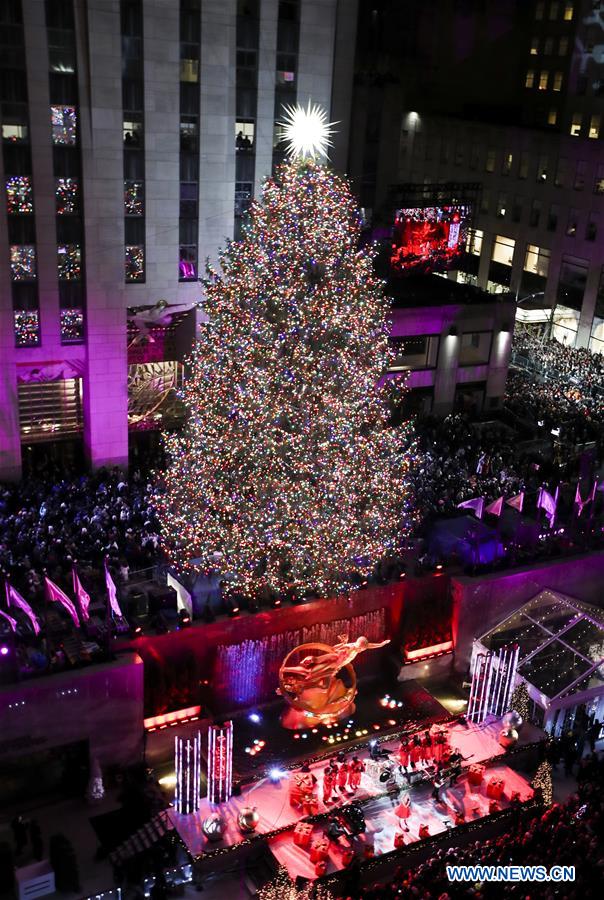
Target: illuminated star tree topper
306 132
288 468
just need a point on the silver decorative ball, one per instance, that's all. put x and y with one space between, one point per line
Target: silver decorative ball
512 719
214 826
248 819
508 737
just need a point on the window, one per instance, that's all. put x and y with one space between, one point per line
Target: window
23 262
594 126
19 197
557 85
573 218
490 161
243 197
188 134
503 250
524 164
501 206
67 196
445 151
189 70
14 134
560 177
417 352
459 153
535 213
579 182
591 231
474 156
543 79
599 182
575 128
552 117
506 167
134 259
134 198
69 262
474 242
517 209
563 46
475 348
568 12
536 260
554 10
529 81
64 125
542 168
539 9
548 46
552 217
244 135
572 281
534 46
485 203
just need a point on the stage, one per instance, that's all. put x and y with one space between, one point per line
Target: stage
276 814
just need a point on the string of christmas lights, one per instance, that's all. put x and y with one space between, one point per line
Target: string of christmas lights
19 196
67 196
64 123
69 262
23 262
72 325
27 328
135 263
288 468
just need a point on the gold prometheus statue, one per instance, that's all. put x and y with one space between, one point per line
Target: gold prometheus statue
319 683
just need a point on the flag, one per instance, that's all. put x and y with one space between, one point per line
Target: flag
12 622
112 593
58 596
82 596
495 507
579 502
476 505
14 598
516 502
548 503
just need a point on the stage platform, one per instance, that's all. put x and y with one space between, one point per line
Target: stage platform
475 743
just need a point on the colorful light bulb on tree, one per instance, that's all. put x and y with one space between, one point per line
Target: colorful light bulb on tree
287 466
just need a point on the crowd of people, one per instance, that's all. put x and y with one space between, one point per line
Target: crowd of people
45 527
565 834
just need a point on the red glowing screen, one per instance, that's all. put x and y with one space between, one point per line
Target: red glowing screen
428 238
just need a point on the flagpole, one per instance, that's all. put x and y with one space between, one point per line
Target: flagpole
46 628
108 619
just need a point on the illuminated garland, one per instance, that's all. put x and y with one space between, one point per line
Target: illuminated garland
27 328
19 197
520 701
287 467
543 783
69 262
283 888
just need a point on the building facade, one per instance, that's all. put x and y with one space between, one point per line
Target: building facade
134 135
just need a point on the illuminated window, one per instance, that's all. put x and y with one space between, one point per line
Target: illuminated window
132 133
64 125
503 250
554 10
189 70
536 260
474 242
579 183
72 326
508 159
524 164
568 12
530 79
594 126
557 85
543 78
539 9
23 262
69 262
244 135
19 198
134 198
573 218
135 263
534 46
27 327
490 162
67 196
599 182
552 117
14 134
575 128
563 46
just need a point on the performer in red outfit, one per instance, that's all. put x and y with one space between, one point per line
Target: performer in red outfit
426 742
416 751
356 770
329 781
343 775
403 754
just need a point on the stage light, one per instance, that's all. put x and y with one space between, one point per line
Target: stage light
276 775
254 717
168 780
4 650
372 743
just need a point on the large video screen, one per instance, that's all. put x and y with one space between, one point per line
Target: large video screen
429 238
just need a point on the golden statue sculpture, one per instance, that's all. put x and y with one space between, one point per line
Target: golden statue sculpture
319 683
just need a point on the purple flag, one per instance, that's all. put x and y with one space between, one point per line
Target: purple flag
14 598
58 596
112 593
12 622
82 596
476 505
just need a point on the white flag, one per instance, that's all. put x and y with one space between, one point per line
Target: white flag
476 505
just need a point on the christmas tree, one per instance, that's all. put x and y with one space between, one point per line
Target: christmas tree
287 467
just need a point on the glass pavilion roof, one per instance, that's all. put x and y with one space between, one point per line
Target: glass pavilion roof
561 643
